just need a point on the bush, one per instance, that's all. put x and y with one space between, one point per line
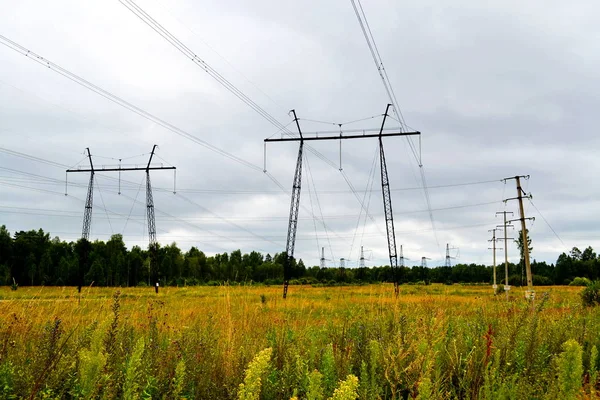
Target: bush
590 296
580 282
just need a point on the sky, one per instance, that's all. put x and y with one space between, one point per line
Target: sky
496 88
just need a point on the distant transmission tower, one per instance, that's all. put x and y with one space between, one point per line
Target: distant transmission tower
361 264
322 257
448 262
87 218
401 259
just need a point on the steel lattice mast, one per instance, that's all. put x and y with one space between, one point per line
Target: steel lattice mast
295 203
152 243
387 207
294 210
87 218
87 223
89 201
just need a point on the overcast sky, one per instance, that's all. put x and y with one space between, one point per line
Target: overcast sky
497 88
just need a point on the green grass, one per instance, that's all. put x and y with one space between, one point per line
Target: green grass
432 342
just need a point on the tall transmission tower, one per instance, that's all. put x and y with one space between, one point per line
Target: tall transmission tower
401 259
322 257
361 263
530 293
85 231
448 262
87 218
385 188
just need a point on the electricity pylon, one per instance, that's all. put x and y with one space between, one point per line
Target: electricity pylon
361 263
296 187
402 258
87 218
448 262
322 259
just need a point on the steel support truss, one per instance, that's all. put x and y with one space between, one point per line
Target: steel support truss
385 188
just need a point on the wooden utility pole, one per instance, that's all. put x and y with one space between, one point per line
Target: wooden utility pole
505 226
494 248
530 293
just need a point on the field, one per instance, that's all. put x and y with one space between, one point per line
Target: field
433 342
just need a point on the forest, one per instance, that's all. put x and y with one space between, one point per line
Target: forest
34 258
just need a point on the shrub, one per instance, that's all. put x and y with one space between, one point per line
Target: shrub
347 390
580 282
590 296
570 370
250 389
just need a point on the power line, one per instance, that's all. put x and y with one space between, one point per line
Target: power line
76 214
123 103
127 185
188 53
312 210
370 179
547 223
104 205
366 29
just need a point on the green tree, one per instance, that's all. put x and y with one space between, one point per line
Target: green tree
588 254
6 246
520 244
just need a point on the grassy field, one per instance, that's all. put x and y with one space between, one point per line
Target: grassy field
433 342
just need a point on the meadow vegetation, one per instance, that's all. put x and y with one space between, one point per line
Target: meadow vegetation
246 342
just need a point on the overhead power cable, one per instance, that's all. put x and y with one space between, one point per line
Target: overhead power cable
366 29
226 220
371 176
547 223
310 175
104 205
58 213
188 53
123 103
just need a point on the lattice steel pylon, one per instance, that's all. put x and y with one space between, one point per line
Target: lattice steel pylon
362 258
87 218
448 262
87 223
294 210
401 258
387 207
89 201
295 201
152 243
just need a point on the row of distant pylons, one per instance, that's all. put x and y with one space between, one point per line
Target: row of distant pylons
401 258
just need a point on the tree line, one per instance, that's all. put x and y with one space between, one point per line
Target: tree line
34 258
